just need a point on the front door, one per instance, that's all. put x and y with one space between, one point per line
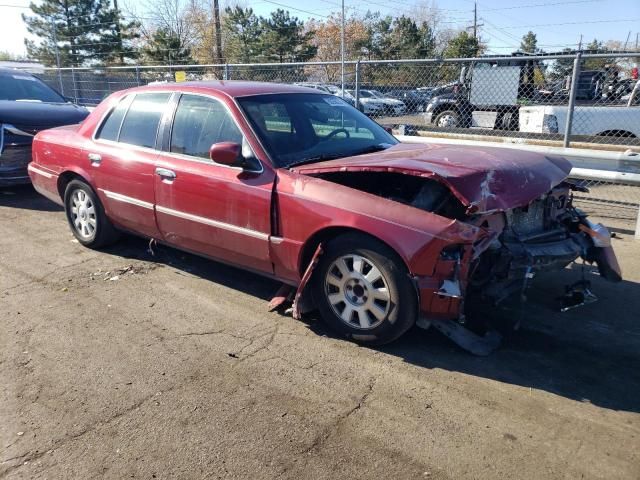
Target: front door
208 208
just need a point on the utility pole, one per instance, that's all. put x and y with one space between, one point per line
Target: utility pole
475 20
342 50
216 19
624 49
580 44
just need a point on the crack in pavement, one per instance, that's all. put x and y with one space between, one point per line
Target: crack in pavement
327 432
60 442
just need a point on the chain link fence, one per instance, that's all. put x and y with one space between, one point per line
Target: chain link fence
584 100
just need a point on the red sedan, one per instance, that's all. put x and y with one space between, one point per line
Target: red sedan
297 185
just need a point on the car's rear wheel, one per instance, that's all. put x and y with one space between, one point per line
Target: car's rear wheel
363 290
86 216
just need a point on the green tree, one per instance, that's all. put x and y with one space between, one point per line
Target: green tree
463 45
165 47
7 56
80 31
284 38
529 43
595 46
242 30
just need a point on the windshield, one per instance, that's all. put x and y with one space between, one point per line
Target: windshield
300 128
366 94
22 86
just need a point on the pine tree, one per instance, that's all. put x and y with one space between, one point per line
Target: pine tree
529 43
165 47
242 31
283 38
463 45
79 31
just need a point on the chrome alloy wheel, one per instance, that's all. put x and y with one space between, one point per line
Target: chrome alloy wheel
83 214
357 292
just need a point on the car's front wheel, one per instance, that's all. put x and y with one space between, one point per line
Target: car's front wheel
363 290
86 216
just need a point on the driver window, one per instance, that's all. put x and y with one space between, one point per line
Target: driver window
199 123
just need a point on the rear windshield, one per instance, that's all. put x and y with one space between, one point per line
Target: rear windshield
24 87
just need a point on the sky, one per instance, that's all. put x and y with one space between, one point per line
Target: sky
557 23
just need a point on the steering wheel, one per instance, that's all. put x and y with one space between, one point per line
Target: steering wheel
335 132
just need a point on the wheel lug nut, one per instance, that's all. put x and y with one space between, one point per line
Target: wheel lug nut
364 299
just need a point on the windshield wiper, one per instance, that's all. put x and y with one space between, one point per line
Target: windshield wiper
333 156
371 149
317 158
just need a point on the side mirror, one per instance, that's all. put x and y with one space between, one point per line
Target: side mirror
226 153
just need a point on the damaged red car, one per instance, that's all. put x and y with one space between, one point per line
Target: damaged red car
301 187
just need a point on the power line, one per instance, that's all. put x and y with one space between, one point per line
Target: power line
587 22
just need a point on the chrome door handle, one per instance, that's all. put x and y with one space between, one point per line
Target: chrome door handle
165 173
95 158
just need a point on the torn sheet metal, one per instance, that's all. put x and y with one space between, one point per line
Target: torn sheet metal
298 303
283 295
466 339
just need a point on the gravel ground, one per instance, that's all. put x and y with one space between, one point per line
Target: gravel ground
123 364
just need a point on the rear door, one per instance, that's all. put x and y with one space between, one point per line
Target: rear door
122 160
208 208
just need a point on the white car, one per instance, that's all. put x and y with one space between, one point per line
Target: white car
325 87
393 106
368 106
607 121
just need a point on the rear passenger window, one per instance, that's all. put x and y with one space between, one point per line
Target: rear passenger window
140 125
111 126
199 123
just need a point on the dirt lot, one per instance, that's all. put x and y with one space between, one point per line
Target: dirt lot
120 364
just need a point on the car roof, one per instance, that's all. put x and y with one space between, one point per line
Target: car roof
232 88
13 71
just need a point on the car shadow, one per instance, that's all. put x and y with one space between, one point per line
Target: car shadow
25 197
589 354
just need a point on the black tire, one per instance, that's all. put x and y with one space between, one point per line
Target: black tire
399 312
90 226
455 119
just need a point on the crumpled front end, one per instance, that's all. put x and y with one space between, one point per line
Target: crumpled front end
515 246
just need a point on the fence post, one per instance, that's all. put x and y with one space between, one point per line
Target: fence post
572 99
357 89
225 72
75 87
137 75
